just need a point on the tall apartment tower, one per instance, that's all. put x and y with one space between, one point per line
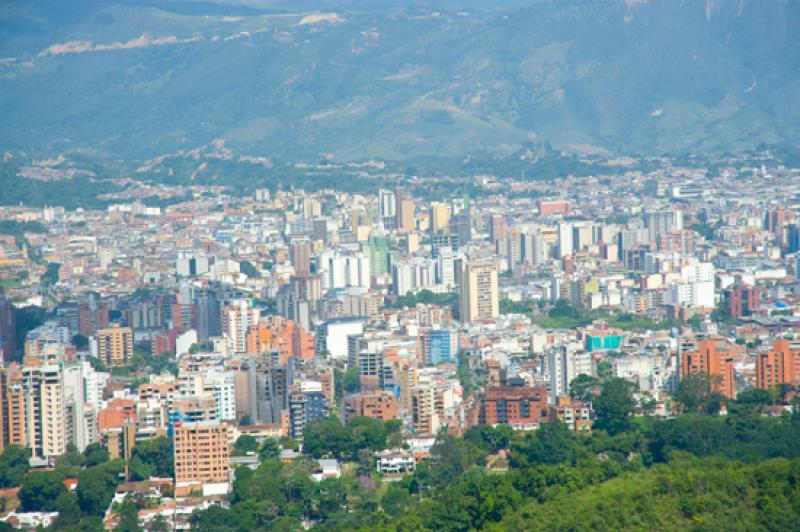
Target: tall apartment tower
478 292
717 364
45 414
301 257
405 210
780 365
201 455
115 345
8 338
237 318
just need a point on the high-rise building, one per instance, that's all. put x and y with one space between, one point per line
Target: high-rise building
498 228
306 405
424 417
92 316
436 346
45 429
237 318
478 292
461 226
13 415
201 455
780 365
387 207
301 257
440 217
717 364
115 345
8 328
405 210
662 222
741 300
565 239
564 363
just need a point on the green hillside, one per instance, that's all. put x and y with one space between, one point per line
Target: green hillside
141 79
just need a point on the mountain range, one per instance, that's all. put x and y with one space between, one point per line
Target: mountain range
358 80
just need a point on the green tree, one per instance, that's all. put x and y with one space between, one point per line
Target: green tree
396 500
69 512
40 491
269 449
352 382
614 405
367 433
95 454
152 458
582 387
490 439
552 443
128 516
696 393
247 268
328 437
80 342
96 487
245 444
13 465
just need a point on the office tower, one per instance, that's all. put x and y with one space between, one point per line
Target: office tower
301 257
405 210
630 238
445 268
378 251
208 313
92 316
780 365
716 364
564 363
45 429
461 226
775 218
237 318
565 239
8 328
201 455
402 277
662 222
440 217
497 228
533 249
741 300
478 292
513 248
387 207
436 347
115 345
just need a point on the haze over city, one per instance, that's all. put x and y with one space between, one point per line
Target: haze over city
444 265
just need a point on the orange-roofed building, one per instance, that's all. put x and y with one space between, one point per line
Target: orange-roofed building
780 365
113 419
715 361
284 336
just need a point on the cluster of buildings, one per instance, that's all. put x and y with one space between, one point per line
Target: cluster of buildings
220 316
